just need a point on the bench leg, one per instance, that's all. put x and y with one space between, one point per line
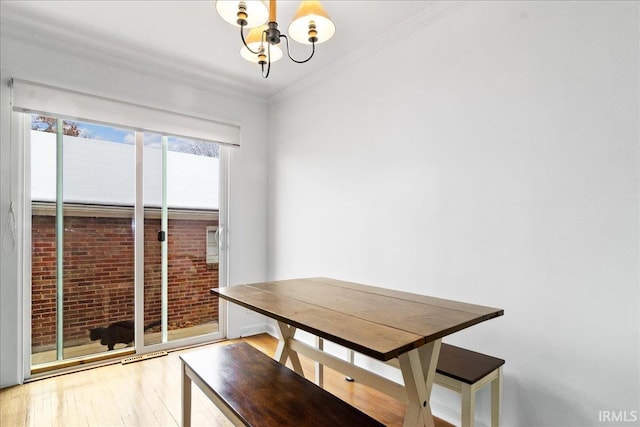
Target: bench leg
468 405
351 360
496 398
319 367
186 397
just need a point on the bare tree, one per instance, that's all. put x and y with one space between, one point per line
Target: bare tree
198 148
68 127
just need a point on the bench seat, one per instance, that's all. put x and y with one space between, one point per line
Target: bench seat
465 365
252 389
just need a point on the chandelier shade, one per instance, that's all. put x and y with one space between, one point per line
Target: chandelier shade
256 12
311 13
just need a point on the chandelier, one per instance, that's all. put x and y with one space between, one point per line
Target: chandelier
311 25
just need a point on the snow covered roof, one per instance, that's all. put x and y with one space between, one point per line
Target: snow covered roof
103 172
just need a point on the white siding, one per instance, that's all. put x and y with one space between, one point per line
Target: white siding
102 172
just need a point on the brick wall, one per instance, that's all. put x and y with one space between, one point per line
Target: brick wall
99 275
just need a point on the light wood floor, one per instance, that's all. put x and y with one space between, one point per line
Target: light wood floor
147 393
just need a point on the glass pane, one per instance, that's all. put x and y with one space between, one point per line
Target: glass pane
193 170
98 187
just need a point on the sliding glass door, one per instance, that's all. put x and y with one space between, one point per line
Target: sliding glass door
87 182
181 223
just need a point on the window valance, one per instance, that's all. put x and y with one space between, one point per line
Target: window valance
37 98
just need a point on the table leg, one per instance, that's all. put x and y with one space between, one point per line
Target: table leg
418 371
284 351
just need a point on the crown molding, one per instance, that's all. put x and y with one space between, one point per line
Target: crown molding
436 11
44 35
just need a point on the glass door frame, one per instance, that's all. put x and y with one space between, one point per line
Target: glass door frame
24 238
21 139
223 184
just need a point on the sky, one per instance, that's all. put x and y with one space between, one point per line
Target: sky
107 133
126 136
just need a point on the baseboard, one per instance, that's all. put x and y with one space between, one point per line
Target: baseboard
271 330
247 331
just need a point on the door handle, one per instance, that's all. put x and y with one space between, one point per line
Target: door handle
220 236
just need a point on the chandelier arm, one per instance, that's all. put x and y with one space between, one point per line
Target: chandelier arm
268 62
313 50
244 41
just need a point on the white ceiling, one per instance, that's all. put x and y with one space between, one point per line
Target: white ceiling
189 40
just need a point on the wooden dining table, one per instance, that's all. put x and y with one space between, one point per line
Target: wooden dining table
392 326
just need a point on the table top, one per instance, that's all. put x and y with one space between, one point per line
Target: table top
378 322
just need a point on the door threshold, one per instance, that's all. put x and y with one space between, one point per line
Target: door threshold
80 361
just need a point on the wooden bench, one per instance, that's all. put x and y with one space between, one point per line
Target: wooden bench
466 372
251 389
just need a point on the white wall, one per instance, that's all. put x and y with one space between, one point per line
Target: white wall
247 224
490 157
